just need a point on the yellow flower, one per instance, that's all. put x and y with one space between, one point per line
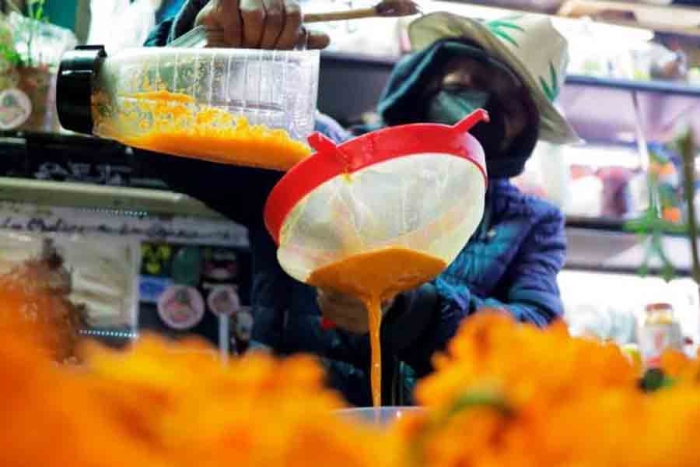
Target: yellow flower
507 394
175 405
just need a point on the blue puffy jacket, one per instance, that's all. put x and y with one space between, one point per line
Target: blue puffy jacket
511 263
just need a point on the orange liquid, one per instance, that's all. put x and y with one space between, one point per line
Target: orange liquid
173 123
374 277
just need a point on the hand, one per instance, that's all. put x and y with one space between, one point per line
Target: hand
257 24
346 312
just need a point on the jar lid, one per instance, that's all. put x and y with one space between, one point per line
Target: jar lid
74 87
654 307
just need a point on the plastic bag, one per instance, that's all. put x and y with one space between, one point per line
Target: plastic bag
120 24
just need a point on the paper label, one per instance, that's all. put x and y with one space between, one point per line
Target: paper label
655 339
15 108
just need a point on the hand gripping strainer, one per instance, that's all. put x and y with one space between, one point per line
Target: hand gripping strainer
418 187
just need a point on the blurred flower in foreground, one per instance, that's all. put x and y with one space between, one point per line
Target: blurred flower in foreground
167 404
507 394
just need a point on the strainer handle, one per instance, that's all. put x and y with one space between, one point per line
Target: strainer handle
468 122
322 143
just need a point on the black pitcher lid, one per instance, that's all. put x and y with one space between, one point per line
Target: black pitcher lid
74 87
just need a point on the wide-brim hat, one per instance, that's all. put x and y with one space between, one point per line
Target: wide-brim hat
529 44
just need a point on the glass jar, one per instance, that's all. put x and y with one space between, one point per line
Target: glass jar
660 331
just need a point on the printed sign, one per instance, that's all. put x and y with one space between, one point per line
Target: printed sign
15 109
223 300
181 308
70 221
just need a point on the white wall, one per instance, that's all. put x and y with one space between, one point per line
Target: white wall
609 304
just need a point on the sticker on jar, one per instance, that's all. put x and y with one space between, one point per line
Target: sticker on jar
655 339
223 300
181 308
15 108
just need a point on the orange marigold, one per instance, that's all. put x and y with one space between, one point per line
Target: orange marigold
508 394
176 405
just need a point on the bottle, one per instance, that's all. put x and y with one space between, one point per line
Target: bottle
245 107
660 331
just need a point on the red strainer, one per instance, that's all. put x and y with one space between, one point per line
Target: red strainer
380 214
419 187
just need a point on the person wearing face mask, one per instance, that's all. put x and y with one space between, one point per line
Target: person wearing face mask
512 261
513 68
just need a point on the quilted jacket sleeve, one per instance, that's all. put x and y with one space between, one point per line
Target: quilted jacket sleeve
530 293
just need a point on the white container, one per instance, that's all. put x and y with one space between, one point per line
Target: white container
194 102
659 332
273 88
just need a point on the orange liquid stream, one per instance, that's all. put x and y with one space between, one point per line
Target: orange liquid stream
173 123
373 277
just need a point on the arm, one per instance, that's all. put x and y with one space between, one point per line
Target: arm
532 292
417 330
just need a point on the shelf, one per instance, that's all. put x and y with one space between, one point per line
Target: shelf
658 87
613 225
670 19
601 245
603 109
93 197
600 109
74 158
70 170
595 223
662 87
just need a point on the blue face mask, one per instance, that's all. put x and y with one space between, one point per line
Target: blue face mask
450 106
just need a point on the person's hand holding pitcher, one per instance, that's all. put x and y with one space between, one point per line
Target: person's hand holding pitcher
254 24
